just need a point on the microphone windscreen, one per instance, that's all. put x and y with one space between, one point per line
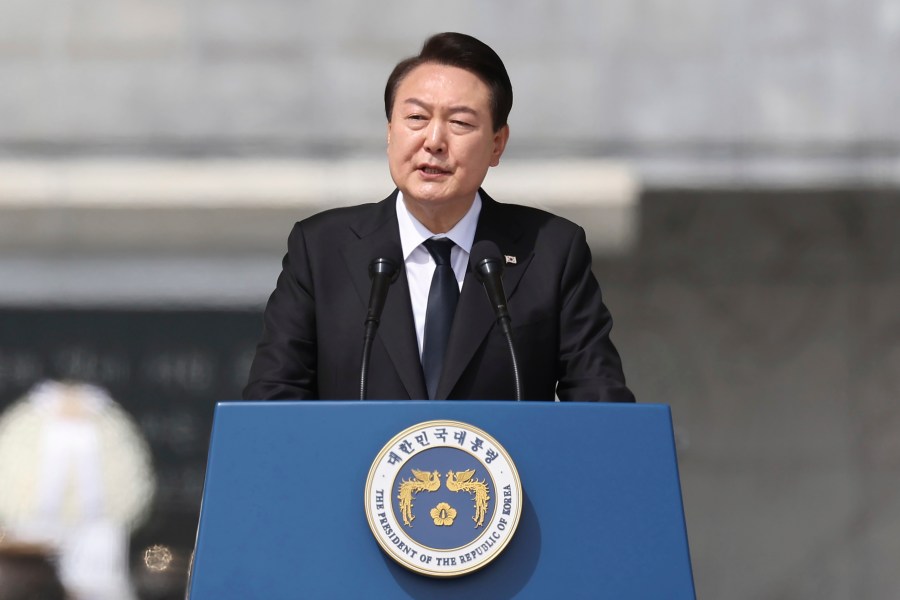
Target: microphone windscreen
482 250
386 258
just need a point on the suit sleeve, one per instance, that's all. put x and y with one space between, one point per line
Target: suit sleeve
589 365
284 367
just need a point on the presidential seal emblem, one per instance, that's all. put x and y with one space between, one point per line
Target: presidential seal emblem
443 498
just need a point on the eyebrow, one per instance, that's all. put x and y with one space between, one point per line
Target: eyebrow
453 109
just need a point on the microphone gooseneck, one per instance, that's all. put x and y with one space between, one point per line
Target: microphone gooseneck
383 271
487 263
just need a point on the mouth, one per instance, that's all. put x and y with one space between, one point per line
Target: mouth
432 170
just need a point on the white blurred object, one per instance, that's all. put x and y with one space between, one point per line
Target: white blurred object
70 458
81 479
93 562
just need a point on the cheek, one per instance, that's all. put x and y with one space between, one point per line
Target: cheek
478 160
396 150
403 146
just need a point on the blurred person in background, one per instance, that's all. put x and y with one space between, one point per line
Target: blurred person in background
84 479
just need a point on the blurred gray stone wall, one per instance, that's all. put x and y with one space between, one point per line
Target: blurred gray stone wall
770 323
731 91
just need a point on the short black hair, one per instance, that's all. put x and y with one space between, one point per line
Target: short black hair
464 52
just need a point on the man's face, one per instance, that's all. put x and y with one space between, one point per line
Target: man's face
441 140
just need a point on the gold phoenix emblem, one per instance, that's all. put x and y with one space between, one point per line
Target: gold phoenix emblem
424 481
462 481
459 481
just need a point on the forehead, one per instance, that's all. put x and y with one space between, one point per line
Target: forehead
443 85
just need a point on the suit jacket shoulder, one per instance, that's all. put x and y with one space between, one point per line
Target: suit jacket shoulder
349 222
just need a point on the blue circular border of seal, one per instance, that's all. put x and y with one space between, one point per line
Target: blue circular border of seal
389 532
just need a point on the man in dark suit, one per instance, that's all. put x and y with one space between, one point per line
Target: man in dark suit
447 111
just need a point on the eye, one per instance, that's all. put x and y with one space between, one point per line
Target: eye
461 124
416 121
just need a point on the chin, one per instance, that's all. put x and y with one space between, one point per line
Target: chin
428 194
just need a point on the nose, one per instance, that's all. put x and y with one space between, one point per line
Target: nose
435 137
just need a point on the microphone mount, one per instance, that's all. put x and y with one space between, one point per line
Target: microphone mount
488 267
383 271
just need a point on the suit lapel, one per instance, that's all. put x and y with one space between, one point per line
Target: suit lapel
379 229
474 314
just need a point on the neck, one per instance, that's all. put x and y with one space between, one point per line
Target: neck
437 219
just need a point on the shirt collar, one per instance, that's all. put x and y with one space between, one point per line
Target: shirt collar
413 233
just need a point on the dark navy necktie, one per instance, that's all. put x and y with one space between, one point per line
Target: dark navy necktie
442 298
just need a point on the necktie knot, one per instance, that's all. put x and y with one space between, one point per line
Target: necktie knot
439 249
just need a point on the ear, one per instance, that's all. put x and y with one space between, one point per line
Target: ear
389 133
500 139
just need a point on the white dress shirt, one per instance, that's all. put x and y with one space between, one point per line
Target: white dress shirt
419 262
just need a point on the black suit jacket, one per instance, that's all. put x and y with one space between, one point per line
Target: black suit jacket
313 326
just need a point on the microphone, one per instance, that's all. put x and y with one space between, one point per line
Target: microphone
383 271
487 263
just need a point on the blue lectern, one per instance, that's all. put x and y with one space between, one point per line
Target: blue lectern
283 505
